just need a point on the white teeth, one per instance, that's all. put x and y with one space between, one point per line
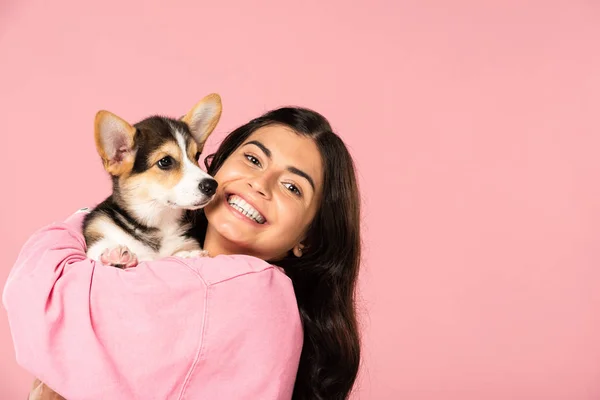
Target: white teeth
239 204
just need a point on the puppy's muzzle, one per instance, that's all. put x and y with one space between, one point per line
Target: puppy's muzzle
208 186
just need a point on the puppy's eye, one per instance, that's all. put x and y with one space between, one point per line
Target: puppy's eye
197 156
165 163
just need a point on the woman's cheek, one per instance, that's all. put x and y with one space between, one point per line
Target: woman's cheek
295 217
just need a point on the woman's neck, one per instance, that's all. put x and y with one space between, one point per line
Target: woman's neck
216 245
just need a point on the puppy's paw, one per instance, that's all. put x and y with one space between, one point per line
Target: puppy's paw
191 253
120 257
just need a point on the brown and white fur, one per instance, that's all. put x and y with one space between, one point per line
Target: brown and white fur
157 183
156 179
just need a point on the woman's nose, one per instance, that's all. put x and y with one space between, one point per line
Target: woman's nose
261 184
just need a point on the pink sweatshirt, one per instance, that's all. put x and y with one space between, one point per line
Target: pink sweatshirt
226 327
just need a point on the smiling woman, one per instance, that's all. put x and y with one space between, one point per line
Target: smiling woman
269 315
268 184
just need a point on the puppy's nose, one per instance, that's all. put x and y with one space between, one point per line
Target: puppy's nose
208 186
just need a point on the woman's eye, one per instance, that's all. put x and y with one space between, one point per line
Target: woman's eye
165 163
293 188
252 159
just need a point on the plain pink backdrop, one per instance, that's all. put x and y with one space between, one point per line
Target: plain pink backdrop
475 127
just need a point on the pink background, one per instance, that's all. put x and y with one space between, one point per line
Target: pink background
475 127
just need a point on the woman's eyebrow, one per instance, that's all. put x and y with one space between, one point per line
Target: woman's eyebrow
293 170
303 174
260 146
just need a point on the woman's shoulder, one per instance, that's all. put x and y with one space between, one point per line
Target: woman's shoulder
249 282
258 294
252 329
239 267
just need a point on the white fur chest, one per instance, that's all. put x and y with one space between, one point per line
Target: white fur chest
172 240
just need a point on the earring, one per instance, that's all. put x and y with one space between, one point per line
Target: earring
298 251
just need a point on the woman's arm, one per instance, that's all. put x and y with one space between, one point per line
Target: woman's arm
158 330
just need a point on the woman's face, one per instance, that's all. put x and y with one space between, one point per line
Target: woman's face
269 191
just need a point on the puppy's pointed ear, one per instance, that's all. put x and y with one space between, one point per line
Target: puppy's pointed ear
203 118
114 142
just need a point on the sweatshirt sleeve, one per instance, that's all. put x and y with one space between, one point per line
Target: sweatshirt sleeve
90 331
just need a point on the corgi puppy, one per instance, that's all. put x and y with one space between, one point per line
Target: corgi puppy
156 181
157 184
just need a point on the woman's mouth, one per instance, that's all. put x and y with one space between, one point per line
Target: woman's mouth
240 205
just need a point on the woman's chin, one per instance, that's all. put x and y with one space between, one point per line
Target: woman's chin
232 239
236 235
